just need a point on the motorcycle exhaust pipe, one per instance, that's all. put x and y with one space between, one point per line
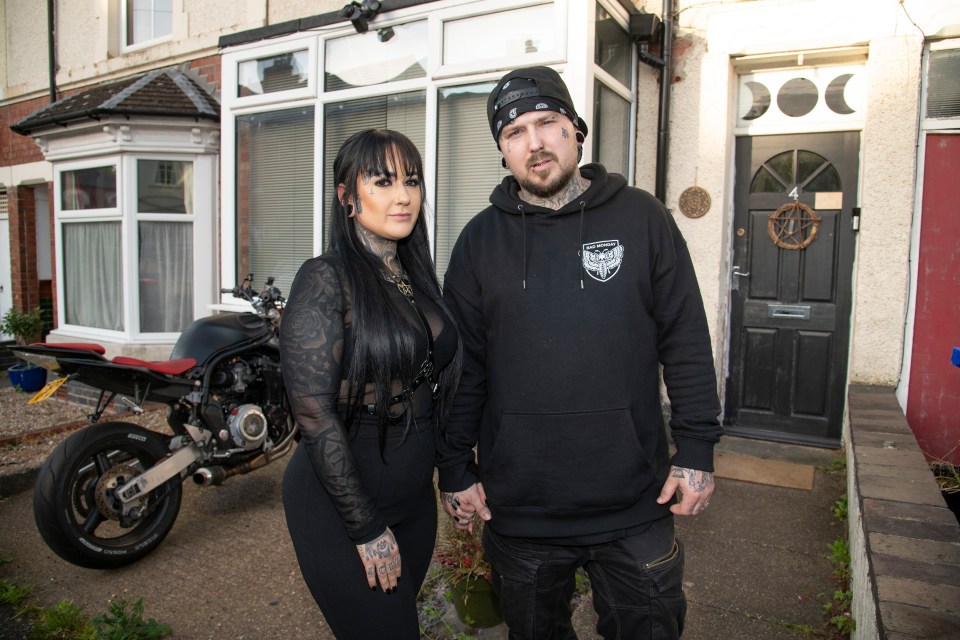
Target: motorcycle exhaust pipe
212 476
209 476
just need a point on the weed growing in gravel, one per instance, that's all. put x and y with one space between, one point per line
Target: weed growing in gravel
120 625
67 621
838 610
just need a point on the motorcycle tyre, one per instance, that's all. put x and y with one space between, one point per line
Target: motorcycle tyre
54 491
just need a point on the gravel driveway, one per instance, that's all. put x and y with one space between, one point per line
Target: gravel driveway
30 432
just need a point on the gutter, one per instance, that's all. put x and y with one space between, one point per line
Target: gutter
65 119
647 29
52 49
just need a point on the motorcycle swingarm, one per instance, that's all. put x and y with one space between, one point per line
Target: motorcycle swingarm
155 476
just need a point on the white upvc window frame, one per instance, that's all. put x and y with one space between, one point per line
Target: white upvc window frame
440 70
928 123
231 74
129 47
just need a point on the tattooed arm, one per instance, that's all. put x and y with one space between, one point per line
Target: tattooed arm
695 488
311 351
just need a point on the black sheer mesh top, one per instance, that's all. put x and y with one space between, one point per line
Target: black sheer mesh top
315 358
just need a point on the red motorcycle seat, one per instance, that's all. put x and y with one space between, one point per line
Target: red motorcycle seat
169 367
78 346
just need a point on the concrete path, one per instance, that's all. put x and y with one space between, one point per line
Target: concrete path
757 560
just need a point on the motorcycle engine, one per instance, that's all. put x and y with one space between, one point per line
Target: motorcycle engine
247 404
247 426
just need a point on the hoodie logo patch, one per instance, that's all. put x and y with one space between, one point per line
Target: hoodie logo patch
602 260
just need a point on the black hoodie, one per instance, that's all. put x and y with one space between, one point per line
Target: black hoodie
566 317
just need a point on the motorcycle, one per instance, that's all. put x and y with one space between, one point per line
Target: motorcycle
109 494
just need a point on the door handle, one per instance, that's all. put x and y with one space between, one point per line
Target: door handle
736 271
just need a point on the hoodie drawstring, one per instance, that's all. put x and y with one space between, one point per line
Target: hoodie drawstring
523 217
583 206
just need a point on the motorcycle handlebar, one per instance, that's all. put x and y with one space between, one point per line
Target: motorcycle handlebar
271 295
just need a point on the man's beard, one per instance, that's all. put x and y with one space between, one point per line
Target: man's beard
551 187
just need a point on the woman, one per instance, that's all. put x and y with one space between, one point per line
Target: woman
370 361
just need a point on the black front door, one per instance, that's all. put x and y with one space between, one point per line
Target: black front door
791 286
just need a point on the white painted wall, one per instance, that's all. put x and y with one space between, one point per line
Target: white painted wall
709 36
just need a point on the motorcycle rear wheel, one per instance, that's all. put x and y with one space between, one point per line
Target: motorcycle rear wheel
74 505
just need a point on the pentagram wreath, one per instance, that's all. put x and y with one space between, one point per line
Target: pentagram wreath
793 226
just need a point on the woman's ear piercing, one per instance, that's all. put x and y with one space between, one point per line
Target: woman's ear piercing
503 162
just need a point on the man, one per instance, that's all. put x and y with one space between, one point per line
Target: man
570 292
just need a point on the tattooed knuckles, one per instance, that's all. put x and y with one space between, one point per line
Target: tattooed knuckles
381 560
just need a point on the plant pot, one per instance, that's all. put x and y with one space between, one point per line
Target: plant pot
476 604
27 377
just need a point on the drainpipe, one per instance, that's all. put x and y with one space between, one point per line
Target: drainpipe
643 32
52 50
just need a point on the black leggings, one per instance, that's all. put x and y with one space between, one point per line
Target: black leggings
331 567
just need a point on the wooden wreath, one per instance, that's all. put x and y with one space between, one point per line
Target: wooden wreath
793 226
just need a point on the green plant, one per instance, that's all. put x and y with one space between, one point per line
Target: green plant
120 625
838 610
65 621
837 466
23 325
839 508
11 594
433 602
838 614
460 555
840 558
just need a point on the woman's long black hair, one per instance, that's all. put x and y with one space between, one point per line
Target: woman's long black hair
383 342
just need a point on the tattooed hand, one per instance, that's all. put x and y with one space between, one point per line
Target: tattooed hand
694 488
464 505
381 561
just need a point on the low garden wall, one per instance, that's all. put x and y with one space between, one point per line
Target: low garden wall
904 541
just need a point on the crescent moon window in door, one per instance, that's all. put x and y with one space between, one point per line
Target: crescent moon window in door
793 226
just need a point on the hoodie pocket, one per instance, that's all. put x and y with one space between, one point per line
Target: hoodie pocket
566 462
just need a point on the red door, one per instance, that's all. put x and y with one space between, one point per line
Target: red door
933 403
